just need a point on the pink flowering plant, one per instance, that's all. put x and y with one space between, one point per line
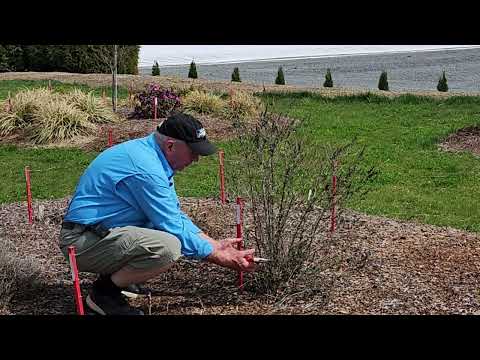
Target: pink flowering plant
167 102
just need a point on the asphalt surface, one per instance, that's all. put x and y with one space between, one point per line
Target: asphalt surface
406 71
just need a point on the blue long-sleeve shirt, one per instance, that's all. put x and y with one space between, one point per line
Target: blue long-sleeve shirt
132 184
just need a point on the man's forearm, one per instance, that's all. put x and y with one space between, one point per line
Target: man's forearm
209 239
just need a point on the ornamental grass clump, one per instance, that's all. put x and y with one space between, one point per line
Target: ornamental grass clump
47 116
26 102
203 102
92 106
58 121
9 123
241 105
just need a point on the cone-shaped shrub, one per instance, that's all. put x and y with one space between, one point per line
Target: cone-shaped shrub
442 83
280 80
155 69
192 73
328 79
236 75
383 82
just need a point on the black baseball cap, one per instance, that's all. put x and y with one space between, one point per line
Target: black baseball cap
186 128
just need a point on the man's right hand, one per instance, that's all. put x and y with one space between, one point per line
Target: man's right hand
226 255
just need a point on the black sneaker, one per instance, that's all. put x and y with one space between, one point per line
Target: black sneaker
135 290
110 304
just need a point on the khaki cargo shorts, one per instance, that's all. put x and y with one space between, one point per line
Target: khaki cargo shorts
137 247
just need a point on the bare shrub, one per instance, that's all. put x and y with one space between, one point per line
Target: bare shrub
17 274
286 183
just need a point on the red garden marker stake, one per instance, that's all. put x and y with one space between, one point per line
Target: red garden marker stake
110 137
222 176
333 220
29 195
75 279
155 104
239 213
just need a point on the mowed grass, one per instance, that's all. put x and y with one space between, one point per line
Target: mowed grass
53 172
13 86
416 180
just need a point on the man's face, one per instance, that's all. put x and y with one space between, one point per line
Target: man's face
179 155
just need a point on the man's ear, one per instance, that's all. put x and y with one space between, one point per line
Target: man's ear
170 144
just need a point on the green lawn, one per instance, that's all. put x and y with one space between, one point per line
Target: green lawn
416 181
54 172
13 86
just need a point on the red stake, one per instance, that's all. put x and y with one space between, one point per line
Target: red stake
29 195
222 176
75 279
239 213
110 138
333 220
155 104
50 85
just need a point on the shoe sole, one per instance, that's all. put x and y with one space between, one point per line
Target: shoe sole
130 295
94 306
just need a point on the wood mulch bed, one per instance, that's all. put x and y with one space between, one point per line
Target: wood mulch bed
387 267
467 139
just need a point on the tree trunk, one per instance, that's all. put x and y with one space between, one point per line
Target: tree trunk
114 79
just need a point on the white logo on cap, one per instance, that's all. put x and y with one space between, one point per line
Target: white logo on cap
201 133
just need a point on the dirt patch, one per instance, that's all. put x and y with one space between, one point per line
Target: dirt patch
467 139
391 267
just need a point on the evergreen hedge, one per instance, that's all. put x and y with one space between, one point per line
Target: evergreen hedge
280 79
155 69
328 79
236 75
192 72
68 58
383 82
442 83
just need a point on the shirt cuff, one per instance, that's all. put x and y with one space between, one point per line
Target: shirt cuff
204 247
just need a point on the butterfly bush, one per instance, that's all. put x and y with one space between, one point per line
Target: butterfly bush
167 102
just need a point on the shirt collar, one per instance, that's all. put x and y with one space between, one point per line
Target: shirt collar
163 160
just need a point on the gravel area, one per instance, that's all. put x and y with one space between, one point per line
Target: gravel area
408 71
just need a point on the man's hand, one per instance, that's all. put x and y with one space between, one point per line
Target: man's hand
226 255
